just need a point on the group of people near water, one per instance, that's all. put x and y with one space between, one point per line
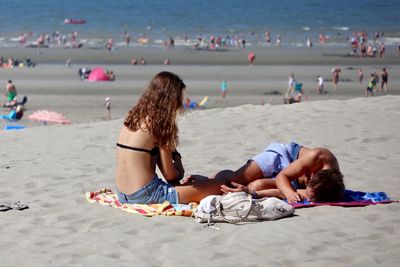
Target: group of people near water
295 92
149 139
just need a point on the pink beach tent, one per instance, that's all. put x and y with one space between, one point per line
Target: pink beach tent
49 116
98 75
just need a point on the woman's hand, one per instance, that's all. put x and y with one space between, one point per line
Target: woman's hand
177 162
236 188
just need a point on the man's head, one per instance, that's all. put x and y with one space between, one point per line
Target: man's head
325 186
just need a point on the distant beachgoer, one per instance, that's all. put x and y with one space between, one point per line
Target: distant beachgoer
107 104
369 91
320 88
11 91
335 77
251 56
363 49
111 75
68 63
291 83
267 37
384 80
360 75
110 43
278 40
127 38
167 61
376 81
382 50
309 42
143 61
133 61
224 88
322 38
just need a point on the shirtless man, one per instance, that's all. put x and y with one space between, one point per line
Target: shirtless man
11 91
288 171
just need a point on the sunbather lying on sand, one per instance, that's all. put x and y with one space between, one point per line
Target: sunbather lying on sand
297 172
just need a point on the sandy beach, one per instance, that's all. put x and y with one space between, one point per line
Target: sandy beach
51 167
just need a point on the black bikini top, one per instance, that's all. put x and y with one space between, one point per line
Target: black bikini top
153 152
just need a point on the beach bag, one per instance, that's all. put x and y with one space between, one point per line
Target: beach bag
240 207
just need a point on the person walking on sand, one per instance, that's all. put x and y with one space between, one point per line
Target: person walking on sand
369 91
320 88
224 88
107 104
360 75
384 80
291 83
11 91
335 77
149 138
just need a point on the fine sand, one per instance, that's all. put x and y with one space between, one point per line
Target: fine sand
50 168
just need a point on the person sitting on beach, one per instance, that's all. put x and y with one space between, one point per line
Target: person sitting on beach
15 114
111 75
149 138
288 171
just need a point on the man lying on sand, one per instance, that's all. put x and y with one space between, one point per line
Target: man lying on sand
297 173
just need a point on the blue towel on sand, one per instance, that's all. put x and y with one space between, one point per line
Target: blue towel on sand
351 199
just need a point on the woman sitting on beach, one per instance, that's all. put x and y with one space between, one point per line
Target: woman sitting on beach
148 139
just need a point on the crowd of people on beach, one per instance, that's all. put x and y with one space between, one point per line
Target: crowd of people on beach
16 63
367 48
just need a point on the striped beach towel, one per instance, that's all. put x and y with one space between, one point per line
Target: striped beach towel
109 198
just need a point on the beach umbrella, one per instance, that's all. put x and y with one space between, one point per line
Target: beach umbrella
49 116
97 75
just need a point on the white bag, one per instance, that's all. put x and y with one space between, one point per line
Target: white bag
241 207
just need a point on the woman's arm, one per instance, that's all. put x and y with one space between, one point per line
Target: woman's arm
170 165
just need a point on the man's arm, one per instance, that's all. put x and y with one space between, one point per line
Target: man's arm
295 170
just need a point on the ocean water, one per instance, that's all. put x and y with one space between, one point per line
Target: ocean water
294 20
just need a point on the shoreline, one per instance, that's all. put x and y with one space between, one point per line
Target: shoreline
189 56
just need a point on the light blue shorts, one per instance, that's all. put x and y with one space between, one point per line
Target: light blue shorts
156 191
276 157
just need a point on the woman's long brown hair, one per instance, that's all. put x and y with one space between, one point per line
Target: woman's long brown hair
157 109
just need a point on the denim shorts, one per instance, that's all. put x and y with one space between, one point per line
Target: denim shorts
156 191
276 157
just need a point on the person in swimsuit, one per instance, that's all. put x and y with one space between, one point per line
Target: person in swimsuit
295 172
149 138
384 80
369 91
335 77
11 91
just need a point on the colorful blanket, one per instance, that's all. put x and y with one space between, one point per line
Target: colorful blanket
108 197
351 199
